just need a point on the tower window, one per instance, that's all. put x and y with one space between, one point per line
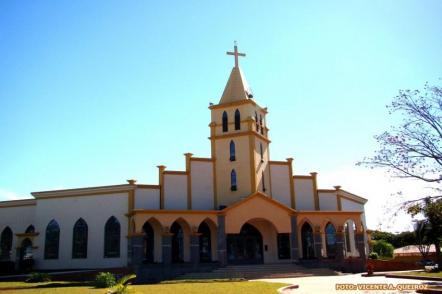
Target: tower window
260 124
232 151
256 121
263 183
225 122
261 152
233 186
237 120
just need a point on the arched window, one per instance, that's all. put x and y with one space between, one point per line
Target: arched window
330 240
232 151
308 251
225 122
6 243
256 121
79 239
260 124
30 229
52 240
233 186
261 152
237 120
263 183
112 238
149 242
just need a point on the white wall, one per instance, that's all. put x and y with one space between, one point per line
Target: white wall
95 210
175 191
304 194
17 219
328 201
281 181
202 185
348 205
147 198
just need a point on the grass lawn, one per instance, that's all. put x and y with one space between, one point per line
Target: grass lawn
172 288
423 274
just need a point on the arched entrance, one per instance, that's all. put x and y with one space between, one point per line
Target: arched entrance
308 250
330 240
177 243
205 242
149 243
245 247
26 258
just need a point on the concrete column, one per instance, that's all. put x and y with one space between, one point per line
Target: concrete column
221 240
195 248
166 246
360 245
318 244
339 245
136 250
351 234
294 251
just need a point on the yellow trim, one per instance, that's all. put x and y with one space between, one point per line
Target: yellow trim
339 202
201 159
131 201
161 169
315 190
236 103
180 212
292 183
252 163
302 177
260 195
274 162
189 180
148 186
175 172
85 194
5 204
80 191
239 134
270 171
215 192
351 199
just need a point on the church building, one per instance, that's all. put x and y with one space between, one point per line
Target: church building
236 207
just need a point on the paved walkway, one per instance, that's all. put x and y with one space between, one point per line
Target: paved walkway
327 284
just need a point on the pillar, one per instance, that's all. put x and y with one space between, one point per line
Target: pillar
195 248
294 251
221 240
339 245
360 245
318 242
166 246
136 250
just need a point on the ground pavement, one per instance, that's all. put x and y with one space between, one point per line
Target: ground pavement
327 284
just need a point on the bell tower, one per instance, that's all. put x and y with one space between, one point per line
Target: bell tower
239 141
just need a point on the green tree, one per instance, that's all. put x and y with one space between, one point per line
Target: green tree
383 248
413 149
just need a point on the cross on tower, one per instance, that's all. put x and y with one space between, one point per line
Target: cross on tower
236 54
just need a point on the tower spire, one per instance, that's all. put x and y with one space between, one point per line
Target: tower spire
236 54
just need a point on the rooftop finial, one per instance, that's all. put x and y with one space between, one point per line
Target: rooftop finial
236 53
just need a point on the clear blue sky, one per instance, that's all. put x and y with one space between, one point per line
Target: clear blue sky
97 92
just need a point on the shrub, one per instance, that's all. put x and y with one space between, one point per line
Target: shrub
104 280
122 287
383 248
373 255
38 278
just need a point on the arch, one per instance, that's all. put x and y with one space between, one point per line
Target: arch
232 151
330 240
308 250
177 242
205 242
112 230
79 239
158 230
237 120
6 243
52 240
225 122
233 182
149 242
25 257
30 229
349 238
245 247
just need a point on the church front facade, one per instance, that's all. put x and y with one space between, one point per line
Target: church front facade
236 207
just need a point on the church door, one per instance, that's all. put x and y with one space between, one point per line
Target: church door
149 243
308 251
205 243
177 243
26 258
245 247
